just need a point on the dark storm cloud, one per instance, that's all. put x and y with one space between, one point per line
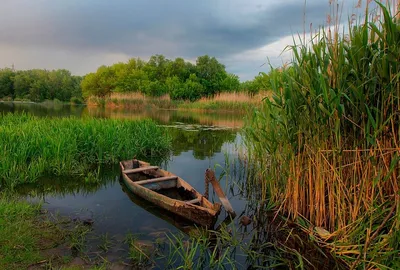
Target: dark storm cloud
187 27
142 28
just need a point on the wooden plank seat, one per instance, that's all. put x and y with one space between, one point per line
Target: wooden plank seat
142 169
156 180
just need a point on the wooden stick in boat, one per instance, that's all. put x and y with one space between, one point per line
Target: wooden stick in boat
140 169
210 177
197 200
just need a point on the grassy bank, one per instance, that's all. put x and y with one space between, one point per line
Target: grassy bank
327 144
235 101
33 147
24 234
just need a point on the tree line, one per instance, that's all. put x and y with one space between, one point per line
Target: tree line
39 85
158 76
178 78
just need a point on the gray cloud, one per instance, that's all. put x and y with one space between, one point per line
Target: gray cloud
142 28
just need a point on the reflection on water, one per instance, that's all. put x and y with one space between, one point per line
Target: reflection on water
199 141
43 109
219 119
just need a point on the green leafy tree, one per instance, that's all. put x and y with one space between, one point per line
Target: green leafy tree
173 83
22 83
230 83
155 88
100 83
191 90
156 68
211 74
6 83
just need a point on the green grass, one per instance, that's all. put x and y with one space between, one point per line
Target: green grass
33 147
22 234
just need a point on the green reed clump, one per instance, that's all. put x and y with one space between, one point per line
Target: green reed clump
327 143
32 147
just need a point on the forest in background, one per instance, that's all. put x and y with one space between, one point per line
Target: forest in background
180 79
38 85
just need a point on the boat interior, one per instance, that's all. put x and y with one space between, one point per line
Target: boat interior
153 178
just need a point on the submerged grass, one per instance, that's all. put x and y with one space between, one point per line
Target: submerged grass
327 144
33 147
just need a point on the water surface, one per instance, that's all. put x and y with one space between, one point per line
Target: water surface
199 141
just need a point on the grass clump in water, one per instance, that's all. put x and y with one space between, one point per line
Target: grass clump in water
327 144
33 147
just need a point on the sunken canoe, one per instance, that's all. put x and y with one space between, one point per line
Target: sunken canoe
169 192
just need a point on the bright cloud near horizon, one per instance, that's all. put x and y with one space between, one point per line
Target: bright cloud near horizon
81 35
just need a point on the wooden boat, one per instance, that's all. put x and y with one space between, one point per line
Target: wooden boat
169 192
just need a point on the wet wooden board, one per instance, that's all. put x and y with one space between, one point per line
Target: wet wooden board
137 170
210 176
155 180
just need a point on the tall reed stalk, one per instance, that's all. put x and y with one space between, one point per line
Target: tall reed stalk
327 143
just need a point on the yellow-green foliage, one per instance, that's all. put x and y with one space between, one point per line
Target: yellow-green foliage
32 147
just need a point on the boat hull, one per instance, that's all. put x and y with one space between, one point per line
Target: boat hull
204 214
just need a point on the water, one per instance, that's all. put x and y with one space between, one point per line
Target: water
200 141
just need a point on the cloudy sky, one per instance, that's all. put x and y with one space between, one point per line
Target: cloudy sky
81 35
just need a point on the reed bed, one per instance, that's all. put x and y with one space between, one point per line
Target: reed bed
227 101
327 143
33 147
237 97
232 101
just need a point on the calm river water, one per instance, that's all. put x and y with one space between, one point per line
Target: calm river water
200 141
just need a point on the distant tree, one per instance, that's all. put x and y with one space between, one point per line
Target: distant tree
100 83
6 83
181 79
260 82
173 84
155 88
38 90
156 68
90 85
22 83
211 74
180 69
230 83
191 90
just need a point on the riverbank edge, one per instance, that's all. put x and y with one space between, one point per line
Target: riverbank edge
29 239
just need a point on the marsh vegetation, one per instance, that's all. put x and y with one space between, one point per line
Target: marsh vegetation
327 143
317 171
33 147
